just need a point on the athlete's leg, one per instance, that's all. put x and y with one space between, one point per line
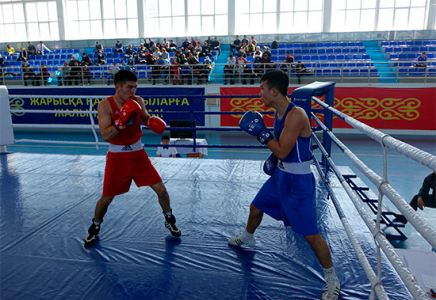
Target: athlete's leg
101 207
163 197
321 249
254 219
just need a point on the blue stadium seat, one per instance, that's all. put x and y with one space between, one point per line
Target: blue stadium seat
340 57
354 72
297 51
297 45
305 50
329 50
346 50
336 72
314 58
327 44
326 72
320 45
337 50
323 57
331 57
364 72
313 51
321 51
336 44
304 45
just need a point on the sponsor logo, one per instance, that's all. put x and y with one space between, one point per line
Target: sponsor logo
127 148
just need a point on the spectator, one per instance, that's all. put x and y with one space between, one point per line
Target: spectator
166 151
236 45
257 55
194 42
146 44
250 49
158 47
10 50
176 70
172 47
209 41
215 45
244 40
63 74
229 69
31 49
76 73
287 62
86 60
189 49
44 74
185 44
195 53
158 69
28 74
422 59
205 50
40 48
241 62
156 53
193 65
2 76
87 74
165 44
124 66
130 52
165 55
131 64
72 61
424 198
300 69
118 47
148 58
151 45
101 60
2 60
114 69
253 41
205 70
98 47
24 55
242 52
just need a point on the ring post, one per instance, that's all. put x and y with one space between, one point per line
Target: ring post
303 98
6 131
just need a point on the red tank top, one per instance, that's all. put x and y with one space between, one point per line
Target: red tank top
131 134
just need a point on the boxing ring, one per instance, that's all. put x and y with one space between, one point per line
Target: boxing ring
47 202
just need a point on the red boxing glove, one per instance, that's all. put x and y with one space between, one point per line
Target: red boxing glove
129 110
157 125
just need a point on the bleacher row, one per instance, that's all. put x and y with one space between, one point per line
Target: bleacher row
408 43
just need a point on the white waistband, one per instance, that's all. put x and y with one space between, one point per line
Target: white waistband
295 167
125 148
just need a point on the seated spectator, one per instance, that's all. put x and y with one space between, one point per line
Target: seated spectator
242 52
165 44
209 41
31 49
151 45
72 61
266 64
86 60
130 52
101 59
172 47
205 50
240 63
124 66
158 47
194 42
215 44
195 53
236 45
28 74
146 44
257 55
63 74
24 55
10 50
300 69
193 65
185 44
2 60
43 75
118 47
165 55
189 49
205 70
40 48
148 58
158 69
131 64
244 40
245 71
156 53
87 74
422 59
76 73
253 41
114 69
250 49
98 47
229 69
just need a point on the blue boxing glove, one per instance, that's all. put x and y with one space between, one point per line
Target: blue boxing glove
270 164
252 123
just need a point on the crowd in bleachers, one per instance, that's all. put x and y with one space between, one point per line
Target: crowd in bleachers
166 61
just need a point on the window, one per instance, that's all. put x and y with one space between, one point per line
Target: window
165 18
402 14
256 16
300 16
42 20
353 15
207 17
12 23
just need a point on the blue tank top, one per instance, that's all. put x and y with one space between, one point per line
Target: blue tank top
302 150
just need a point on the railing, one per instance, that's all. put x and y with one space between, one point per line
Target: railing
371 73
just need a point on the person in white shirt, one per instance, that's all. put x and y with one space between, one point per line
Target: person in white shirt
40 48
166 151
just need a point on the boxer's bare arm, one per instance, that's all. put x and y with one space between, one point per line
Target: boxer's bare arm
107 130
145 115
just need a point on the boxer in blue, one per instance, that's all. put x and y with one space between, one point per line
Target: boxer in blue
289 194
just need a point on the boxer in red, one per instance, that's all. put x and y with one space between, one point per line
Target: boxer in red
119 120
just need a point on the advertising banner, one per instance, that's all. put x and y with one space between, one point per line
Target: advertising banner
157 100
380 108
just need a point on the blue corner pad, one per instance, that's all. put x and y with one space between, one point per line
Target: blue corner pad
303 95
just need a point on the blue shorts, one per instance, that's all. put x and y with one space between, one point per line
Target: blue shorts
290 198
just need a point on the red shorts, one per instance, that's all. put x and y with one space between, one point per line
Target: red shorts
175 70
121 168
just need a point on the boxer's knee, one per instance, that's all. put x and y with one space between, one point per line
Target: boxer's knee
160 190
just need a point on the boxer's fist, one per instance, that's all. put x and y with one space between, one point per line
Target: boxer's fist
270 164
252 123
157 125
129 110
